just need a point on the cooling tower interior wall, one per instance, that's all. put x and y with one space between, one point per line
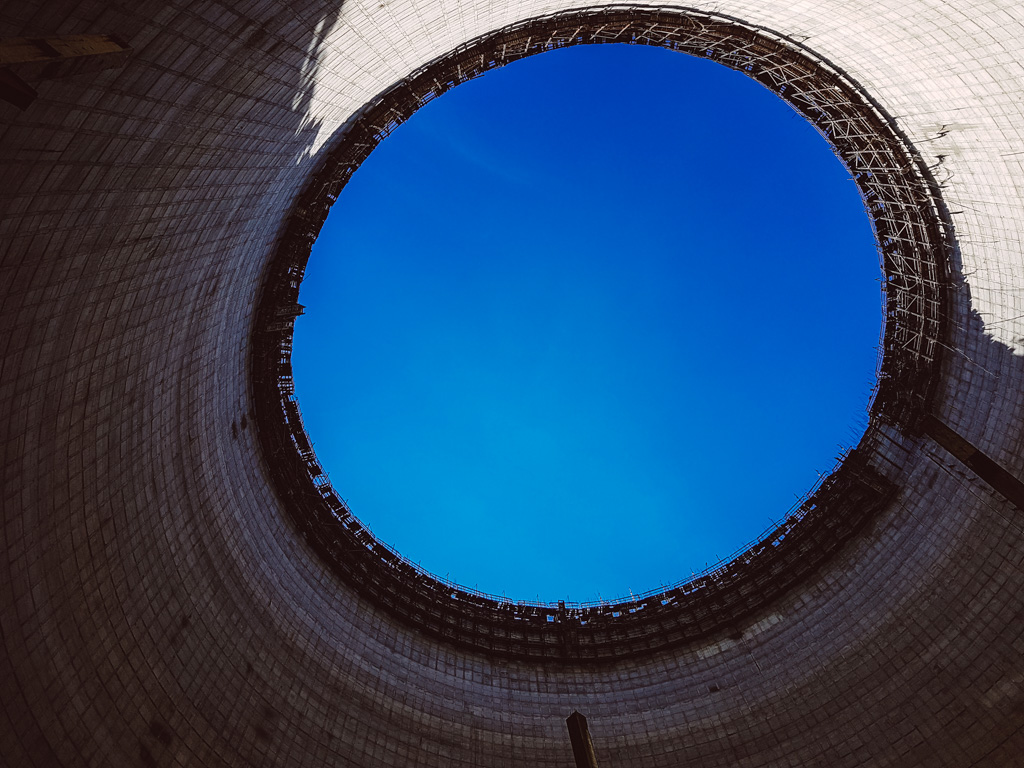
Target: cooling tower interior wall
159 607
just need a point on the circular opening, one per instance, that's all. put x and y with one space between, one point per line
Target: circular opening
913 241
589 324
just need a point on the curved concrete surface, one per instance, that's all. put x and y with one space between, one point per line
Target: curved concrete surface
158 607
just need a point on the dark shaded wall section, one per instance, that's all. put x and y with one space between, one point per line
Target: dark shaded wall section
156 607
137 203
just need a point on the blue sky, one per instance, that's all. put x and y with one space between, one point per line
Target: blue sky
588 323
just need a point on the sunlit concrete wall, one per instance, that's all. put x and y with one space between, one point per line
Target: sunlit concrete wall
157 608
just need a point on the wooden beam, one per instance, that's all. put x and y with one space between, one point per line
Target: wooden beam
48 58
981 464
579 737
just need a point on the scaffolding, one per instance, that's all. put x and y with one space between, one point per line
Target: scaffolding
914 243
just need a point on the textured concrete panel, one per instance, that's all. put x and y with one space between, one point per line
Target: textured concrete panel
156 606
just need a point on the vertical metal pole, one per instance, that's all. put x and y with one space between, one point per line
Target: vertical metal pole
579 737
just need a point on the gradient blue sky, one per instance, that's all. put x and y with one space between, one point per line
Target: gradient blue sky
588 323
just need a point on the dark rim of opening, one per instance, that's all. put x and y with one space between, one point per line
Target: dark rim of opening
914 242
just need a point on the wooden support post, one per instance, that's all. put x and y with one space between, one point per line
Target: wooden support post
47 58
981 464
579 737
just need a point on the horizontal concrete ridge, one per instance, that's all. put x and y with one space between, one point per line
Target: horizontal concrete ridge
163 603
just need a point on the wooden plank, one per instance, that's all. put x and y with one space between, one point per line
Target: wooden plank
25 50
997 477
579 737
47 58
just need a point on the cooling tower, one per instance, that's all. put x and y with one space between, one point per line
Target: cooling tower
180 585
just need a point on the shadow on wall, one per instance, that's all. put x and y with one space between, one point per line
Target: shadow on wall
976 374
159 173
305 101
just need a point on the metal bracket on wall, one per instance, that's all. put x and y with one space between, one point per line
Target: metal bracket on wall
48 58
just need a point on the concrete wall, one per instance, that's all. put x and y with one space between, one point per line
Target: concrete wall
157 608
